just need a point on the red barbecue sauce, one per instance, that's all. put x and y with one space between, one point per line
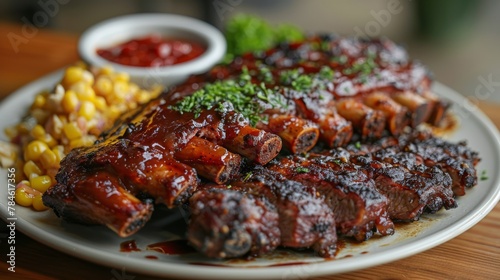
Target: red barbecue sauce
152 51
129 246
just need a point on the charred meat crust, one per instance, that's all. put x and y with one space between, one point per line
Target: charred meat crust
227 223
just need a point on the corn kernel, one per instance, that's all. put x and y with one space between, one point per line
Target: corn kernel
23 196
132 105
133 87
38 132
87 94
100 103
39 102
8 154
40 115
48 159
25 183
11 132
143 96
121 88
41 183
84 141
71 131
49 140
113 112
106 70
103 86
70 101
72 75
76 143
87 77
34 150
121 76
19 165
30 168
87 110
54 100
37 203
58 152
89 140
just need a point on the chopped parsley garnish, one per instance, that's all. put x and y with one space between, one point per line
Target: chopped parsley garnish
364 67
265 74
247 176
297 80
302 83
337 161
229 186
246 98
484 176
340 59
357 145
305 82
325 46
326 73
301 169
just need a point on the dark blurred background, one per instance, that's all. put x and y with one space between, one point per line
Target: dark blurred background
459 40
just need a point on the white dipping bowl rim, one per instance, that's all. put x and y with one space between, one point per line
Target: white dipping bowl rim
124 28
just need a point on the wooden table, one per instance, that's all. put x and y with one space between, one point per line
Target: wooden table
473 255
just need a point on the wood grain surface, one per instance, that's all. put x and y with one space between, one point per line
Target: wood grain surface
474 254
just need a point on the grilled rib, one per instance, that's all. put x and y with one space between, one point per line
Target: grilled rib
304 218
228 223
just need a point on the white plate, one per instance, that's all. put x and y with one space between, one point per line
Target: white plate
100 245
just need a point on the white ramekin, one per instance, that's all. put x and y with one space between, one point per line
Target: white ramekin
121 29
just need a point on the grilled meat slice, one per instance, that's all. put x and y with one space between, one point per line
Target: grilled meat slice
410 190
457 159
358 207
304 218
228 223
421 147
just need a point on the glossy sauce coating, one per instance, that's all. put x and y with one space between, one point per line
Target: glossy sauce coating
129 246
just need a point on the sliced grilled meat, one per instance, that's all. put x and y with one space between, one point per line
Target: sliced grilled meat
358 207
457 159
410 187
304 218
422 147
228 223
